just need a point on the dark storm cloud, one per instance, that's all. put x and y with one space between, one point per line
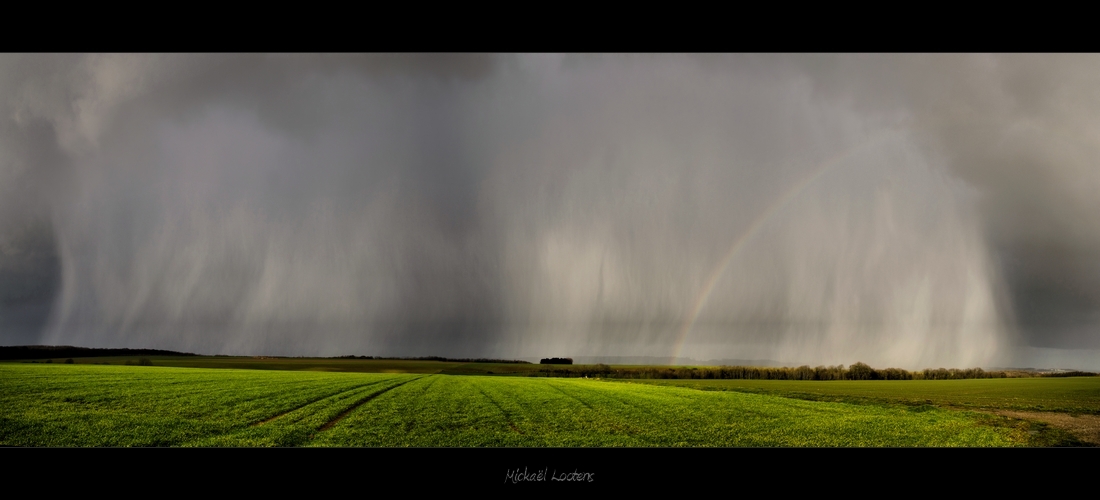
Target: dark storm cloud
200 179
903 209
30 162
1020 129
29 279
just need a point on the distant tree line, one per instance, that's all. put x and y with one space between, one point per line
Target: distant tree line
129 362
858 371
67 351
1070 374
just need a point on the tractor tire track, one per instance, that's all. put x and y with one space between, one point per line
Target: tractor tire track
321 398
624 414
579 400
507 414
328 425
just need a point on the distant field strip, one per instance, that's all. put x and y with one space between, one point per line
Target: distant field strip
1073 395
89 405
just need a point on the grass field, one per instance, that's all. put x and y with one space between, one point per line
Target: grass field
1071 395
85 404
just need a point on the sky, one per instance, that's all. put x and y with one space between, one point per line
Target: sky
904 210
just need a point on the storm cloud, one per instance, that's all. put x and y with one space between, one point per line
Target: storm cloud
904 210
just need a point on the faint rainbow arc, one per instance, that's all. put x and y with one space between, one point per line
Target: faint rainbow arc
704 293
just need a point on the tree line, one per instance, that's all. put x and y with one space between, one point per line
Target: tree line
857 371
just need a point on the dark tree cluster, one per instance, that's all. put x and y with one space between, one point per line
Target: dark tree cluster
556 361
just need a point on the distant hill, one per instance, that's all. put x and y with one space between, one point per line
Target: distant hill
68 351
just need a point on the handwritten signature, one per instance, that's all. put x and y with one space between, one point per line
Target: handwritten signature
517 476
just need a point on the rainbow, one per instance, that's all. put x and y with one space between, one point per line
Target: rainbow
704 293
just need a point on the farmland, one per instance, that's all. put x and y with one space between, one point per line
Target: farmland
1074 395
418 404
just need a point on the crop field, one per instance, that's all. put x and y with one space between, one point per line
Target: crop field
1071 395
83 405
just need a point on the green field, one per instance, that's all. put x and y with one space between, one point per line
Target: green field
1071 395
85 404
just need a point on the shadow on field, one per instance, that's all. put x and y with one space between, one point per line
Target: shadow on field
1060 428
